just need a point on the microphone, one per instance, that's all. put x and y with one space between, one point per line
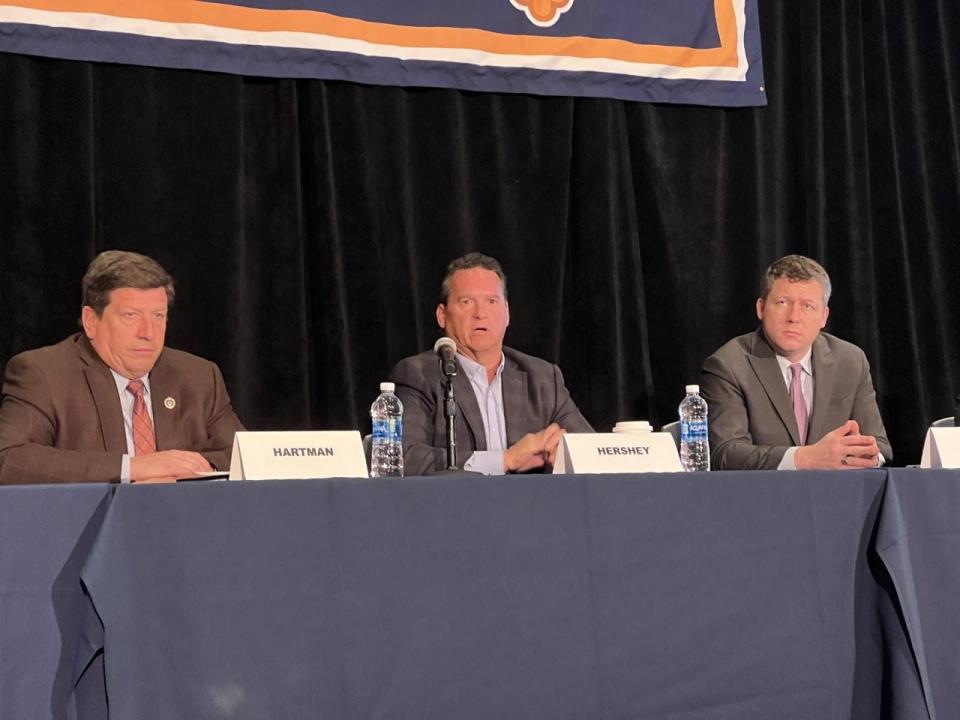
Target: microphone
446 349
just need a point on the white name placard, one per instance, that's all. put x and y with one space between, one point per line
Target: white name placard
617 453
297 454
941 449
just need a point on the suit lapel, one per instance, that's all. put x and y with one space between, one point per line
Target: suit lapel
103 389
164 392
514 386
764 363
824 379
467 405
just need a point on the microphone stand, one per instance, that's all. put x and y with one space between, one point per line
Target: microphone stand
450 414
448 370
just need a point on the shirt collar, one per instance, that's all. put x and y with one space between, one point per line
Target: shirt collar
122 383
805 363
473 369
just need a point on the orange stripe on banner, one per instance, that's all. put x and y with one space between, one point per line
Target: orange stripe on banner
320 23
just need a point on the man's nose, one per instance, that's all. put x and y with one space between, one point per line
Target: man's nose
145 328
795 312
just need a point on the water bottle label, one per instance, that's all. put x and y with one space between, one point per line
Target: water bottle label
693 429
388 429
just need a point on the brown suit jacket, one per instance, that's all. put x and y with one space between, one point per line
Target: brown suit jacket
750 415
61 420
533 397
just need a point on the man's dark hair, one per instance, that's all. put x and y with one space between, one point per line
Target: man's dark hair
114 269
795 268
468 262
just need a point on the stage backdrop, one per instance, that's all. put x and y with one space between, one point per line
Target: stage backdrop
308 222
686 51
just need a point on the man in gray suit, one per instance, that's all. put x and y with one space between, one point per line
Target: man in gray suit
513 408
789 396
112 403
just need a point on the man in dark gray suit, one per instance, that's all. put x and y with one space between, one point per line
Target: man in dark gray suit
789 396
513 408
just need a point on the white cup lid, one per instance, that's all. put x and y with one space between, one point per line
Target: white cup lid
632 426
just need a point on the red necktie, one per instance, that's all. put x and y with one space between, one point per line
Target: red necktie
799 404
143 439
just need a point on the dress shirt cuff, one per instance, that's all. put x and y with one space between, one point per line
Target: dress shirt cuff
125 469
488 462
787 462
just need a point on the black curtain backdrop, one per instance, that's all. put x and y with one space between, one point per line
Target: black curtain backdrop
308 223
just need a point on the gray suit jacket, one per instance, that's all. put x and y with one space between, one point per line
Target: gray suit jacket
61 419
533 397
751 417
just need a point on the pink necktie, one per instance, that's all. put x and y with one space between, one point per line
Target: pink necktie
799 404
143 439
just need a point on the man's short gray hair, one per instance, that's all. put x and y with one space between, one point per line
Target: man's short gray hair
113 269
795 268
468 262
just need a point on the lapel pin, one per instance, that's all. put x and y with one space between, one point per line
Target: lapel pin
169 403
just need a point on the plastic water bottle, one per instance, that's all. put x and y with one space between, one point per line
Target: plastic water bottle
694 440
386 415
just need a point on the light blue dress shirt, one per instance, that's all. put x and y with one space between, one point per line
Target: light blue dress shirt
490 400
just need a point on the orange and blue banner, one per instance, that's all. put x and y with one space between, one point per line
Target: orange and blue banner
704 52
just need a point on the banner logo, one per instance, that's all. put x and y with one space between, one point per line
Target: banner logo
543 13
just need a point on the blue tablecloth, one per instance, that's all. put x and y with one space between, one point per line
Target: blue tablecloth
715 595
46 636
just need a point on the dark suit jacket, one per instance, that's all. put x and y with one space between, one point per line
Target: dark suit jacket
750 415
61 419
533 397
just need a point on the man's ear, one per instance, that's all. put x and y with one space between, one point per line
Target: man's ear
90 321
442 316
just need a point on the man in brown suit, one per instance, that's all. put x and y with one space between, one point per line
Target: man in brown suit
112 403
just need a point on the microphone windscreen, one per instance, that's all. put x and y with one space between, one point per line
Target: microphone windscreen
445 342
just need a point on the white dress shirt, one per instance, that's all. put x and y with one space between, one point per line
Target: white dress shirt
787 462
126 407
